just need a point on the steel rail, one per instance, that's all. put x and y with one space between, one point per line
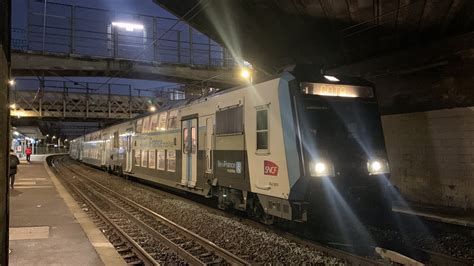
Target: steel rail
221 252
136 248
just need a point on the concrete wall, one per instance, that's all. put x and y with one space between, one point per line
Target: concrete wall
432 155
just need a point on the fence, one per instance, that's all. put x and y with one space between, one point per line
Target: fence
69 29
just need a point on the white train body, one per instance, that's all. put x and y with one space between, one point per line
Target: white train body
241 146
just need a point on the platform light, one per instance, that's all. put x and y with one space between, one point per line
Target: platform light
331 78
13 106
16 133
245 73
54 137
47 135
128 26
152 108
12 82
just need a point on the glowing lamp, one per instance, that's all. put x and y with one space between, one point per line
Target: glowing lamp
128 26
331 78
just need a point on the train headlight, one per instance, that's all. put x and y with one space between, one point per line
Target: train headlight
321 168
378 166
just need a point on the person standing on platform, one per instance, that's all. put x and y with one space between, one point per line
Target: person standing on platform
14 162
28 153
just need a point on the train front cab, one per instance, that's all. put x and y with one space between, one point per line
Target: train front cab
341 150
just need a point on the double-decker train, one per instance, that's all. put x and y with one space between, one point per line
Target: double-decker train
272 149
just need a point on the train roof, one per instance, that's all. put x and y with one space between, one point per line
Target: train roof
302 72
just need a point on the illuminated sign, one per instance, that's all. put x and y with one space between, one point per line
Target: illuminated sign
337 90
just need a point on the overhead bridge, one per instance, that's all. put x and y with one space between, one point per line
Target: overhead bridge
72 40
85 100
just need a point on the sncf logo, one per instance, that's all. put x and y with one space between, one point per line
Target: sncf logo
270 168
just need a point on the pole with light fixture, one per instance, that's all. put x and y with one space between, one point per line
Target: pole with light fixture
113 34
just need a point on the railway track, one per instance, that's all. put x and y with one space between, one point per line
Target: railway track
188 246
426 257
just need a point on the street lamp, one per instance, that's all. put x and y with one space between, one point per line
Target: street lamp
128 26
246 74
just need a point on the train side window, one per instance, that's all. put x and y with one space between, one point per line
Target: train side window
173 119
137 157
152 159
161 160
146 125
139 126
230 121
154 123
193 140
171 160
145 159
262 130
162 121
186 141
116 140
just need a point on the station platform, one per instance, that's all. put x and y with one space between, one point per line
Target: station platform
449 215
47 227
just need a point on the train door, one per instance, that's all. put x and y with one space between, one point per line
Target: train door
189 155
209 143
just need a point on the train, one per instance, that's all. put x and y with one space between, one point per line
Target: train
273 149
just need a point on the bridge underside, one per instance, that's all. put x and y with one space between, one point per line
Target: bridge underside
50 64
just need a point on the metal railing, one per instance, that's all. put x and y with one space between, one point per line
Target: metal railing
75 30
69 99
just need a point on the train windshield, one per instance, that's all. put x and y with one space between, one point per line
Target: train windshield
341 124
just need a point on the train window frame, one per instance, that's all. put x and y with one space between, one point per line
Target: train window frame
144 158
150 153
185 140
146 125
229 121
137 157
162 121
259 109
139 126
161 152
170 158
172 121
154 123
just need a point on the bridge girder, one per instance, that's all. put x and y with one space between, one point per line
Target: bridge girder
50 64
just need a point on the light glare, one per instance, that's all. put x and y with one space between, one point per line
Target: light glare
13 106
331 78
320 168
376 166
11 82
128 26
152 108
244 73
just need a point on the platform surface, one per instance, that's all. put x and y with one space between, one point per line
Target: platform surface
43 228
450 215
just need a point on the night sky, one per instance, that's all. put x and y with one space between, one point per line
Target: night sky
142 7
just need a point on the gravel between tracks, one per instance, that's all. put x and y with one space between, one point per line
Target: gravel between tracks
252 244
